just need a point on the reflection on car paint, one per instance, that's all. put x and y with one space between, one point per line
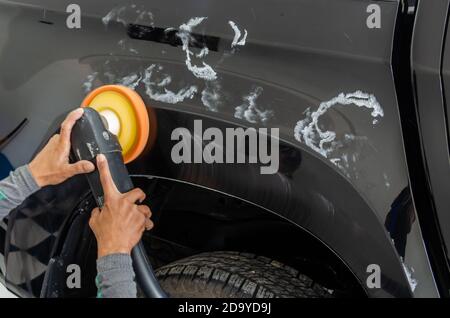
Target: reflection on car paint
386 180
125 46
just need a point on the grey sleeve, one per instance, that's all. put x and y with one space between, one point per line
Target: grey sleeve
15 189
115 277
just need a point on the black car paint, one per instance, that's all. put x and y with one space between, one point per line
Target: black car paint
313 53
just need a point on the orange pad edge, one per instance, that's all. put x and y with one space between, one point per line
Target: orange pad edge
142 116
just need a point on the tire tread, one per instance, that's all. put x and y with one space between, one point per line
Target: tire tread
239 275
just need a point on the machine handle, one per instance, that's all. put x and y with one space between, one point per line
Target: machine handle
90 138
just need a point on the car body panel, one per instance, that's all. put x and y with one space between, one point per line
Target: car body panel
431 66
297 56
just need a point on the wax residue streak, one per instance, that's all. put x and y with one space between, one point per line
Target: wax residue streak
205 72
156 83
211 96
308 131
89 83
237 40
409 271
129 14
249 110
156 89
131 81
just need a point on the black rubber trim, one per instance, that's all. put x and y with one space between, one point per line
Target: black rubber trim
169 36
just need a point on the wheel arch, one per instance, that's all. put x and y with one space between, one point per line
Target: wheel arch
303 192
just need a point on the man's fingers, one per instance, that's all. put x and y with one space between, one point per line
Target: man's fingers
67 125
53 138
95 213
145 210
80 167
137 222
141 230
109 187
148 224
135 195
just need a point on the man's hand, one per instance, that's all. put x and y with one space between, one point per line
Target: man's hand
118 227
51 165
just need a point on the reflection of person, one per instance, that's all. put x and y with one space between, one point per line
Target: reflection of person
399 220
117 227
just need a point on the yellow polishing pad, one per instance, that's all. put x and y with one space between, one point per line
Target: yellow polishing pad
126 115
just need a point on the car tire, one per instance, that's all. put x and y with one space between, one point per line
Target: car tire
235 275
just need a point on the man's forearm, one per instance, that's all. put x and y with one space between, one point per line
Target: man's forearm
115 277
15 189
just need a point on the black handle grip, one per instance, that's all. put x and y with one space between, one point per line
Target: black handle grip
90 138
